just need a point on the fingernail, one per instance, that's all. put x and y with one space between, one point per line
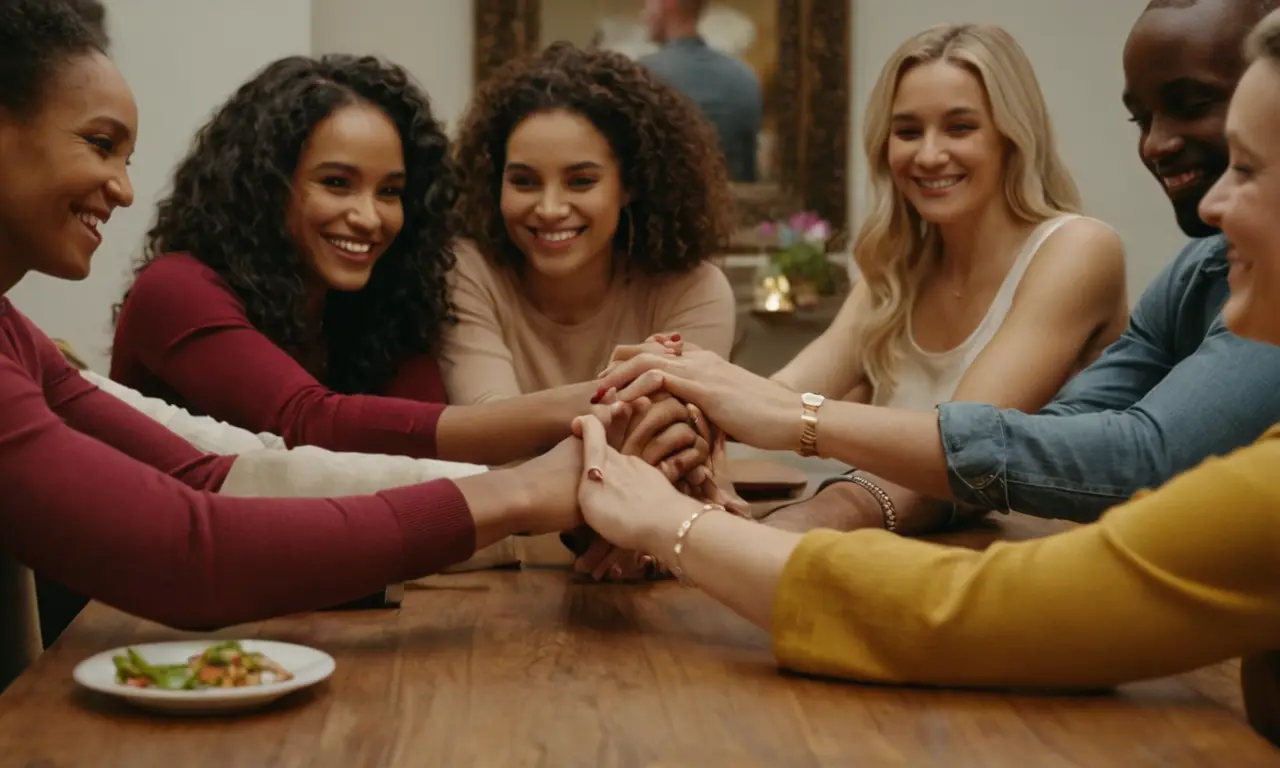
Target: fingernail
616 571
596 474
674 337
598 396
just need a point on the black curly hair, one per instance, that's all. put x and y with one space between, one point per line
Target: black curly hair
681 208
37 37
228 206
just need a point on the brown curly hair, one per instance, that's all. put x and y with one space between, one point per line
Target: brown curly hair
681 208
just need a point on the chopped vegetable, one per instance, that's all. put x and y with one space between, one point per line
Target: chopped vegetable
225 665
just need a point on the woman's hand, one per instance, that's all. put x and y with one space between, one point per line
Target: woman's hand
660 428
751 408
668 434
658 344
552 477
621 497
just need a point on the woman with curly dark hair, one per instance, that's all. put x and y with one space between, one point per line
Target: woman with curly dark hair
96 496
295 279
594 196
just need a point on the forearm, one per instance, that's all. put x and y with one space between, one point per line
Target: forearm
503 502
903 447
846 506
735 561
1077 467
1150 592
512 429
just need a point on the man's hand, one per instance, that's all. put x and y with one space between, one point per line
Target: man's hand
845 506
839 506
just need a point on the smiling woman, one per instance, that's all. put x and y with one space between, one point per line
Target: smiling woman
595 197
100 498
295 281
92 125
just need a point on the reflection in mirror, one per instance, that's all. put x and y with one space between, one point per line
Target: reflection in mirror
745 31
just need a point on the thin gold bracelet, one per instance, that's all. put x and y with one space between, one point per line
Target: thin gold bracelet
677 568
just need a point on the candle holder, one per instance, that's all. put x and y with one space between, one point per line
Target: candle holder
773 295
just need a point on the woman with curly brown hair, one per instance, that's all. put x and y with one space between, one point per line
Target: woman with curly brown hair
594 196
295 279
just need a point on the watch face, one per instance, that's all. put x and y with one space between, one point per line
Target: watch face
812 400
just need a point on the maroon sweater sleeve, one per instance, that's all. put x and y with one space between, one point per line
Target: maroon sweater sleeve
85 505
418 378
184 325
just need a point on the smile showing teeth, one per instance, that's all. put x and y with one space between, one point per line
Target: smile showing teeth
946 183
559 235
90 221
1180 180
350 246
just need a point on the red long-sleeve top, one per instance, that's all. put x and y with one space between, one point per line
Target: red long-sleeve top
183 336
101 498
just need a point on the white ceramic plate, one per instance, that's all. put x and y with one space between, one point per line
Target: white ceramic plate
308 665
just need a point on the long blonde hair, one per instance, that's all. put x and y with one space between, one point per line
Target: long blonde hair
895 247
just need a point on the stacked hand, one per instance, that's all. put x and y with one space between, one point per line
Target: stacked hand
616 492
654 417
753 409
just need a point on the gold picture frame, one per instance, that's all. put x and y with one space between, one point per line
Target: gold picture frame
813 90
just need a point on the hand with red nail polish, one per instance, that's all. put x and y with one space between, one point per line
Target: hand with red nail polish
623 504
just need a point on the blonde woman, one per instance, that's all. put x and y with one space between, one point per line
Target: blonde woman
979 280
1181 577
1154 404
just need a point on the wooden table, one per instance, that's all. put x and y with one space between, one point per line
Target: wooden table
510 668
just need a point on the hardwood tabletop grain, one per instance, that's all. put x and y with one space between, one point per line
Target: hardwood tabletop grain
535 668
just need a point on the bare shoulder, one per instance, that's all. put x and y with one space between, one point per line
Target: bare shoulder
1082 258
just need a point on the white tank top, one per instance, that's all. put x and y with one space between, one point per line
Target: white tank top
925 379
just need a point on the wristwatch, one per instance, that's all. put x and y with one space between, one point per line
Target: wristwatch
809 421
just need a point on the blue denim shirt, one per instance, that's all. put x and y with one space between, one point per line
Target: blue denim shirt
1176 388
727 91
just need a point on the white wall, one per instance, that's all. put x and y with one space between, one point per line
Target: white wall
1076 50
432 39
182 58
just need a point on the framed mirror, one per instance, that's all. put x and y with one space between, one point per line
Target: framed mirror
799 50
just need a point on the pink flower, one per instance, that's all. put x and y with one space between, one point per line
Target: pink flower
818 232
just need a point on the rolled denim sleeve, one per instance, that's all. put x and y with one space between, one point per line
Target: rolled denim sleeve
1077 466
1159 401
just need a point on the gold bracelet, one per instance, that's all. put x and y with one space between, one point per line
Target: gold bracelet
677 569
886 504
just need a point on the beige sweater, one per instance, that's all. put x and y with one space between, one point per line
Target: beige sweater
503 347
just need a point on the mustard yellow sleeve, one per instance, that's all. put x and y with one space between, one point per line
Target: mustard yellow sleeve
1173 580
